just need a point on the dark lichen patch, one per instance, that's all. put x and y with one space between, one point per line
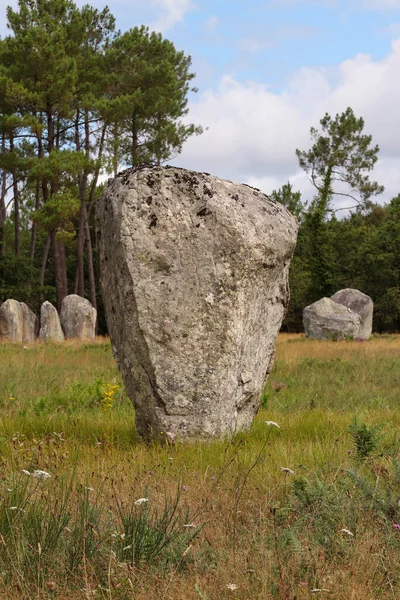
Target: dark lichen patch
207 191
149 200
153 221
203 212
127 173
151 180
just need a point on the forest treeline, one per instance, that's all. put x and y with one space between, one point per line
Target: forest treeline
80 100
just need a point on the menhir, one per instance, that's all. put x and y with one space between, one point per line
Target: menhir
194 275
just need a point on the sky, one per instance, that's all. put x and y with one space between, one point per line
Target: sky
268 70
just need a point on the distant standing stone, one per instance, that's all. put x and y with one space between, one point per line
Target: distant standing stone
194 275
17 322
30 324
50 326
359 303
326 319
78 317
11 321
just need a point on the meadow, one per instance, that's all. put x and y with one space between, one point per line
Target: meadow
306 504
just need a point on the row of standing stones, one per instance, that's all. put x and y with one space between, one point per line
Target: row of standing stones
348 313
18 323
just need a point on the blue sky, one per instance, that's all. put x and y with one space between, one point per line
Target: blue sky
267 70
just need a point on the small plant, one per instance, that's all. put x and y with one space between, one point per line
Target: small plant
366 439
108 391
148 535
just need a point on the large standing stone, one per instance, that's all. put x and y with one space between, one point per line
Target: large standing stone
194 274
359 303
50 326
78 317
17 322
30 324
11 321
325 319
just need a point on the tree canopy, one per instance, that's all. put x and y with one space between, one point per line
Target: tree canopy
78 99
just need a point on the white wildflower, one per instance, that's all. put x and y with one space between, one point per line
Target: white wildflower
26 472
38 474
316 590
13 508
286 470
140 501
272 424
188 525
89 489
232 587
348 532
9 490
122 536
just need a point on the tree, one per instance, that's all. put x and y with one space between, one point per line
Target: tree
149 85
340 159
338 164
292 200
77 100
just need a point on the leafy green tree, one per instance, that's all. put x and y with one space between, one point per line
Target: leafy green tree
291 199
150 84
340 159
338 164
77 100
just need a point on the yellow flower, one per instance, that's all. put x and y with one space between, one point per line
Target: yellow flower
108 391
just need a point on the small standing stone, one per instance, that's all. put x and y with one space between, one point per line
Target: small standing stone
30 324
78 318
11 321
359 303
50 326
17 322
326 319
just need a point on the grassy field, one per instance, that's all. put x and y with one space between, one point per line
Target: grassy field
215 521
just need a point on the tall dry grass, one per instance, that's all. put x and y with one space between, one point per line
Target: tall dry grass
262 532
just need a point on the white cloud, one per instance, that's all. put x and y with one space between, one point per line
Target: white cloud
172 12
253 132
382 4
212 23
286 3
3 19
252 45
393 30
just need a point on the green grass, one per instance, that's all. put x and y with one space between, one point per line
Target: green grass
272 534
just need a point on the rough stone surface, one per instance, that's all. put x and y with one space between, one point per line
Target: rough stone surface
30 324
194 274
17 322
78 317
11 321
359 303
50 326
327 319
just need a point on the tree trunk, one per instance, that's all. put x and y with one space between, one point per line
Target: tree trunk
17 225
92 280
44 262
60 269
134 145
3 212
34 227
79 284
